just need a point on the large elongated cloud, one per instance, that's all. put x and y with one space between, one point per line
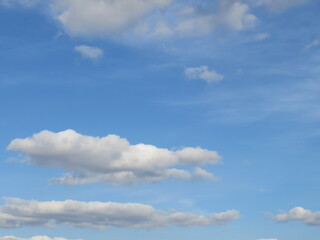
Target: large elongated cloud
101 17
32 238
111 159
301 215
17 213
152 18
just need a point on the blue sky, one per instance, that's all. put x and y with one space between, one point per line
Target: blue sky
159 119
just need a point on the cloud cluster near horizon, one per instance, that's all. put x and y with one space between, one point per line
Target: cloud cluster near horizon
111 159
17 213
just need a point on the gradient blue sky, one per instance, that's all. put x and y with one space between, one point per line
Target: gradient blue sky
237 77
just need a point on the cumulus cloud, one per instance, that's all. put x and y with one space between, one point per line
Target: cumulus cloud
89 52
110 159
32 238
17 213
301 215
279 5
203 73
101 17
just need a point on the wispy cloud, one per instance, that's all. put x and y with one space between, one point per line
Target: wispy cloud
89 51
313 44
196 20
277 5
257 37
256 103
203 73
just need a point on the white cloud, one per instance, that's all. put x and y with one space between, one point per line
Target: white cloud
203 73
110 159
236 16
190 20
203 174
32 238
101 17
279 5
89 52
301 215
17 213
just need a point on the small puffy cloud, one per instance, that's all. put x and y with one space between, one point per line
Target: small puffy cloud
277 5
203 73
110 159
89 52
301 215
32 238
103 17
17 213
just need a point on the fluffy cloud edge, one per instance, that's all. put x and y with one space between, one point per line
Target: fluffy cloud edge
17 213
112 159
99 18
301 215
